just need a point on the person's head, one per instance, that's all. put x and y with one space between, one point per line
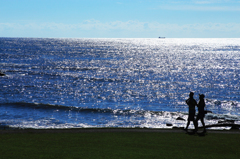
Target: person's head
201 96
191 94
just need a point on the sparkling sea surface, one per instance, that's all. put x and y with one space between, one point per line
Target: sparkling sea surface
72 83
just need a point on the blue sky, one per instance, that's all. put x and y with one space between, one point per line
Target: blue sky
120 18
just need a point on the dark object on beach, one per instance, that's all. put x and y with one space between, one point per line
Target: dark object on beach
3 126
2 74
207 111
180 118
175 127
222 125
169 124
161 37
235 127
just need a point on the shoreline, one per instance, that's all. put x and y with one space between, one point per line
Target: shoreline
113 130
235 128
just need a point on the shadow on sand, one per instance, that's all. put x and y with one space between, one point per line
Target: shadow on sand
201 134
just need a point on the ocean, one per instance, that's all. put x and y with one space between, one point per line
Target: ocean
143 83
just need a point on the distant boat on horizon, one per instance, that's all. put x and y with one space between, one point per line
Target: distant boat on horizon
161 37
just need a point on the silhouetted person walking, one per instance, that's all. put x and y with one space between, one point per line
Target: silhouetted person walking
201 113
191 113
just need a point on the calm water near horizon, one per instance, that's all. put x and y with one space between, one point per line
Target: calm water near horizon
71 83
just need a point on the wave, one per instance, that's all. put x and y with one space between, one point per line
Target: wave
91 110
125 112
52 106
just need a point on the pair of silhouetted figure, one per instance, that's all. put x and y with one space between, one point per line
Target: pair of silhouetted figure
191 102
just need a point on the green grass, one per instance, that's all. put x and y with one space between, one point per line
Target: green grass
119 145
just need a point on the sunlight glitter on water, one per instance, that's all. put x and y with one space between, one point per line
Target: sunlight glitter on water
119 74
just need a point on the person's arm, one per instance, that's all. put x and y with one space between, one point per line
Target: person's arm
195 102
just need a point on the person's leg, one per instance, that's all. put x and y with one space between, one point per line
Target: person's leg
187 124
196 124
204 128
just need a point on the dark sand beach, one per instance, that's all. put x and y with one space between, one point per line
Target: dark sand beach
118 143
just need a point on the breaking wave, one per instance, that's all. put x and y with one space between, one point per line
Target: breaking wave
125 112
